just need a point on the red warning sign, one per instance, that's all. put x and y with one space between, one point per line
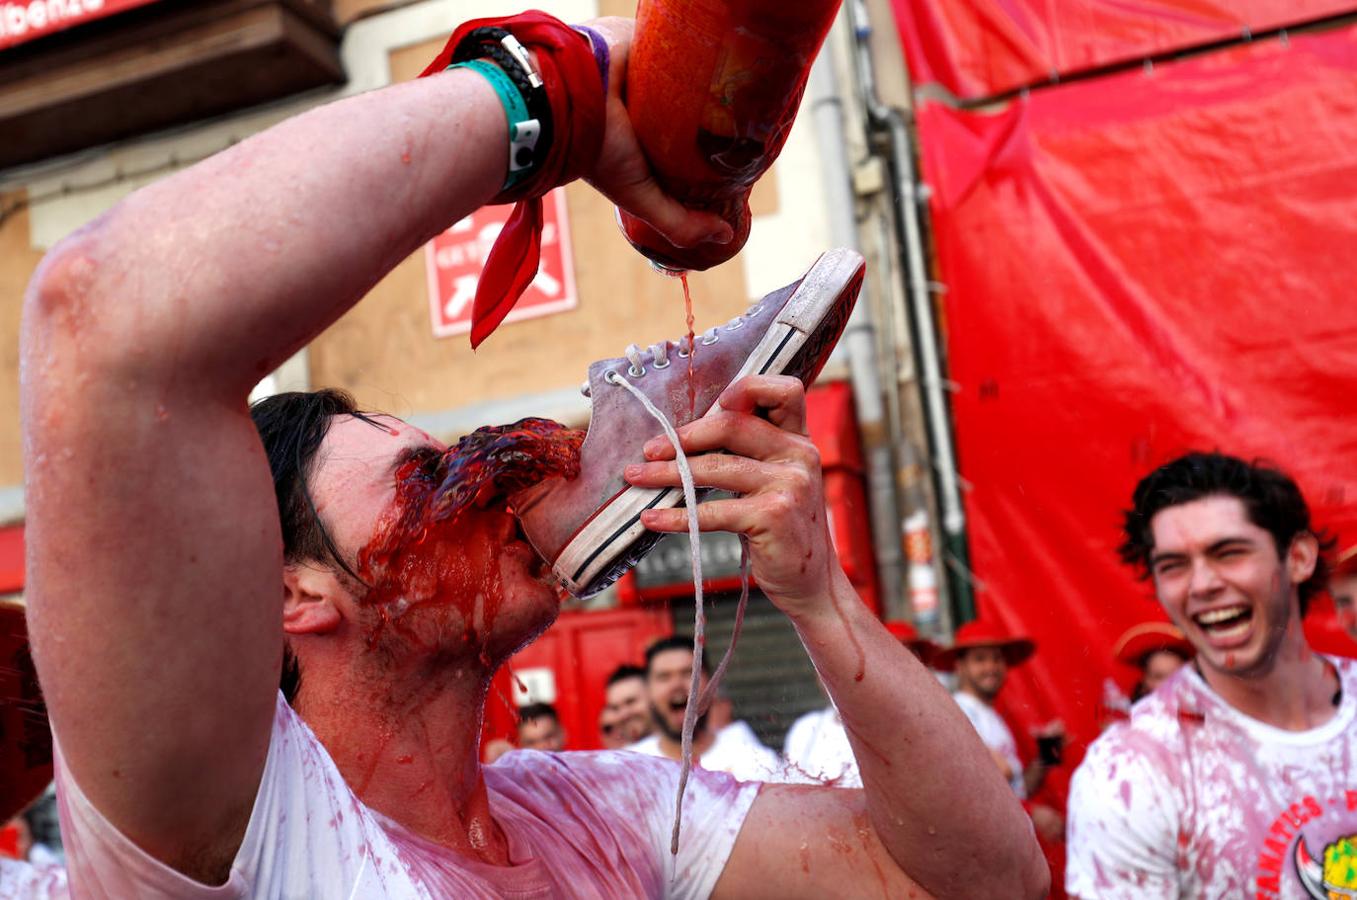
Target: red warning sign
454 260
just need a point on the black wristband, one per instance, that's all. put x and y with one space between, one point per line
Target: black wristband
488 43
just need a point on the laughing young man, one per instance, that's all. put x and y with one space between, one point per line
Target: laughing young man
1238 776
184 557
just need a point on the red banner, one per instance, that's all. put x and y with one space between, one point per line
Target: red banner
979 48
1136 266
21 22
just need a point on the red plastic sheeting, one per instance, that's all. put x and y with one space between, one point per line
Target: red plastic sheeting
979 48
1137 266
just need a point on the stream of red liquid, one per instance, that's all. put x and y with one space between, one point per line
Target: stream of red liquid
439 541
692 347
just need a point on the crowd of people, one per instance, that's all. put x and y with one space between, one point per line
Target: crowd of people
1228 703
273 686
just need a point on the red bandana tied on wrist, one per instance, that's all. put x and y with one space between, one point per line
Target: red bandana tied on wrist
574 89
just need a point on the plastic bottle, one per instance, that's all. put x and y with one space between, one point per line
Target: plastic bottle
712 89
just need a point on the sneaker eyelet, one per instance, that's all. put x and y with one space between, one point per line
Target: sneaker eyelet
612 377
657 364
736 324
708 343
683 354
636 371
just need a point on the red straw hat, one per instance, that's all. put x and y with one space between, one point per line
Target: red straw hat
25 741
1346 564
980 633
908 635
1139 641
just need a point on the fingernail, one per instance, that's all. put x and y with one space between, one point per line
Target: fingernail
632 471
723 235
652 447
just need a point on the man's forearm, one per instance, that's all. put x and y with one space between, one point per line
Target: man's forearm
270 241
933 794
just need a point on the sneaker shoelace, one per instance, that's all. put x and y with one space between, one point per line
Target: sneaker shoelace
697 705
657 355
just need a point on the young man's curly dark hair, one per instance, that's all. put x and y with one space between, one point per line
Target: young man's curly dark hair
1270 497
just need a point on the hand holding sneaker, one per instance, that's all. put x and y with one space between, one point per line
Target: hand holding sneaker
775 469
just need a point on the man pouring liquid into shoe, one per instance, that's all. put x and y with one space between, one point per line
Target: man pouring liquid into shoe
381 578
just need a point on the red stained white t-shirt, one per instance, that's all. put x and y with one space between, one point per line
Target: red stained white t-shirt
1191 798
578 825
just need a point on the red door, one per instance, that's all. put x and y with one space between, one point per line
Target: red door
569 664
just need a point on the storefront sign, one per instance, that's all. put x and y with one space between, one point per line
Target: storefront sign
21 22
454 260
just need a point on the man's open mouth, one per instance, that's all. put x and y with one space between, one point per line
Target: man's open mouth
1226 622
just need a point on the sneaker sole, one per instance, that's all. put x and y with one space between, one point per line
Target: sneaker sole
794 345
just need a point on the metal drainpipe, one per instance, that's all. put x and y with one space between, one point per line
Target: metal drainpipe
860 341
892 122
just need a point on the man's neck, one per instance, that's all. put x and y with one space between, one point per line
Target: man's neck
671 747
1295 693
409 747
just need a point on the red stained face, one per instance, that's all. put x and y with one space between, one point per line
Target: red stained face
444 553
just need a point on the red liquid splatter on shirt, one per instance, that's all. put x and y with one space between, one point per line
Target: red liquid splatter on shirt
439 542
692 347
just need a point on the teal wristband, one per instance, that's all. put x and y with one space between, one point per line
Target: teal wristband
524 130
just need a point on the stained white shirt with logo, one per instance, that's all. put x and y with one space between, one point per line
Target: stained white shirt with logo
1192 798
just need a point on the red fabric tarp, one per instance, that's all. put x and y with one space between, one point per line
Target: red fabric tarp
979 48
1138 265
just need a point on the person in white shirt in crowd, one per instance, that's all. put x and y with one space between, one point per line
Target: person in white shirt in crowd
625 717
1237 777
539 728
817 748
733 750
979 658
1157 649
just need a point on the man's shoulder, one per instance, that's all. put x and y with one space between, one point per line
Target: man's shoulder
1147 738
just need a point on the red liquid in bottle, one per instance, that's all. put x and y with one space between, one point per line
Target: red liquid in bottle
712 89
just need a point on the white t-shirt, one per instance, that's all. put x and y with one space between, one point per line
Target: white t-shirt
26 881
994 734
817 748
591 825
736 751
1191 798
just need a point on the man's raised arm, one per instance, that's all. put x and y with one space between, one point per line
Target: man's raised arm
932 801
155 562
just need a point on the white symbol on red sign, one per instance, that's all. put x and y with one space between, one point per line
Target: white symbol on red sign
454 260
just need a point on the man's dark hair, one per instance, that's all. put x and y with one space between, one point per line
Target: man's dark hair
538 711
673 642
1271 499
623 672
292 427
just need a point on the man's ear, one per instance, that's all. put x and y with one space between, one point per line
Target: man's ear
308 600
1302 557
